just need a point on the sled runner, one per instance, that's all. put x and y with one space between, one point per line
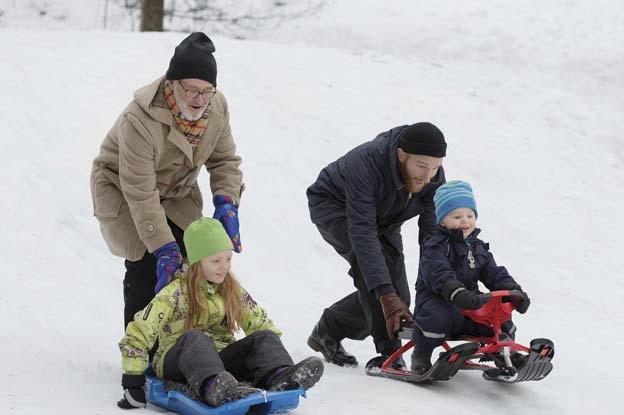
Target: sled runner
511 362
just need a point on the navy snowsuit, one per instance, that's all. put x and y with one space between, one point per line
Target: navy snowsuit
446 255
359 203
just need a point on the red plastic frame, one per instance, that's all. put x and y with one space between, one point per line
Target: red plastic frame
493 314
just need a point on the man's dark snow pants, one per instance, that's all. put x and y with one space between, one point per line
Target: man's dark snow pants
359 314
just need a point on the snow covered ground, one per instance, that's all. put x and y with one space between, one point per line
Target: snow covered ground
529 95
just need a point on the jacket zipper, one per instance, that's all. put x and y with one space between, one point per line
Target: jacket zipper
471 260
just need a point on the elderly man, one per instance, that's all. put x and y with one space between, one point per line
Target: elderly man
358 204
144 180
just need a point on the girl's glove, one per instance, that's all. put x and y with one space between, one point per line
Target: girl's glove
134 394
226 211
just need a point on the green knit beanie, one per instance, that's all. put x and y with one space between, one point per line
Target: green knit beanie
205 237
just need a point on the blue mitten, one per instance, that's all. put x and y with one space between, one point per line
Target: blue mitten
226 211
168 261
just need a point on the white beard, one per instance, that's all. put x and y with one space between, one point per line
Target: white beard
185 112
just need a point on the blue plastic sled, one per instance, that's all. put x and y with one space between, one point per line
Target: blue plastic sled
258 403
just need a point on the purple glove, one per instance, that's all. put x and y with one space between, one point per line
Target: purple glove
226 211
168 261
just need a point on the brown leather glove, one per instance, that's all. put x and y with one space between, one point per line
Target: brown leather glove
394 310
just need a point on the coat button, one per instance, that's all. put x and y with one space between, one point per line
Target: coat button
150 227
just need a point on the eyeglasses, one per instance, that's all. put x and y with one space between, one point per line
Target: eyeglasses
194 92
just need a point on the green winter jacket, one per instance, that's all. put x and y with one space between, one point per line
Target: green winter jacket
164 316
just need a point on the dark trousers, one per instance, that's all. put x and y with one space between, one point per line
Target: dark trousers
359 314
194 358
140 279
438 320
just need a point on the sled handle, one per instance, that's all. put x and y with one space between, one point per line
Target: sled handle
496 311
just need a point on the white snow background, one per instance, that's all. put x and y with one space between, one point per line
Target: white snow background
529 94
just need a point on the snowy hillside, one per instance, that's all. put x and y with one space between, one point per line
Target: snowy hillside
530 98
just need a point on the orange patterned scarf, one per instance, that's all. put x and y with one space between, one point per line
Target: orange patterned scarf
192 130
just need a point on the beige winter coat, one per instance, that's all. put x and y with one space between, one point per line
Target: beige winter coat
147 172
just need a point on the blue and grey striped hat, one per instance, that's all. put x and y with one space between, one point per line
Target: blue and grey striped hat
453 195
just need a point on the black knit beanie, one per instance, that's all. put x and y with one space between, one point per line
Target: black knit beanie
193 59
423 138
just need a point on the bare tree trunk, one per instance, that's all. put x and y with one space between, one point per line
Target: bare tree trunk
152 13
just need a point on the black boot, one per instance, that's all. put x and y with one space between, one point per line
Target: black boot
399 363
518 359
223 387
332 350
387 348
471 328
304 375
421 360
378 361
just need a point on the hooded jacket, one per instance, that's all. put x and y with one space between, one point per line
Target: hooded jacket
147 171
364 186
448 256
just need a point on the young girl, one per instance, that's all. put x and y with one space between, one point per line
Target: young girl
453 261
194 319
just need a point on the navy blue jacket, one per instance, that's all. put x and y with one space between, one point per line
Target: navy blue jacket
364 186
446 256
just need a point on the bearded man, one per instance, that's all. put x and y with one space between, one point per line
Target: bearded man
358 203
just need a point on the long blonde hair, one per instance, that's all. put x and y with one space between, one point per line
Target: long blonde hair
230 290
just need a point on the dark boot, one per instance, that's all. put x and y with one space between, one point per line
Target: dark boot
510 328
332 350
471 328
421 360
302 375
378 361
518 359
223 387
388 348
399 363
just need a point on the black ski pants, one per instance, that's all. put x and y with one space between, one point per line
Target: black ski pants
140 279
194 358
359 314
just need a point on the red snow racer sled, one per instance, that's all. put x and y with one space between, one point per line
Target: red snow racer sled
499 357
